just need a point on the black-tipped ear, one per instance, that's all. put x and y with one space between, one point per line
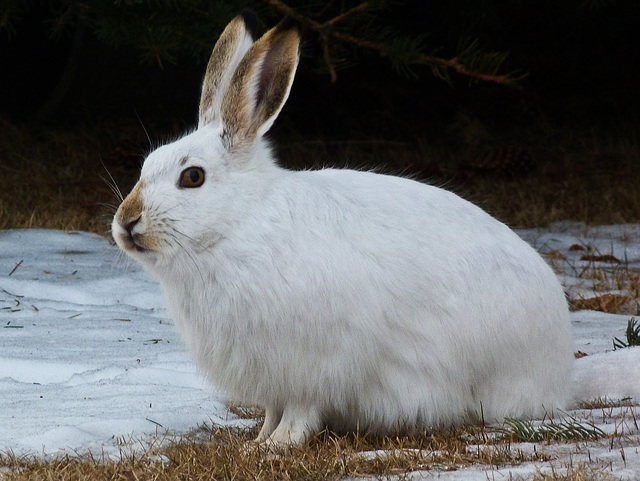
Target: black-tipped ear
250 21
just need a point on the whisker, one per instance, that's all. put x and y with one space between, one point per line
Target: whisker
194 241
121 260
145 130
188 253
110 207
111 182
168 209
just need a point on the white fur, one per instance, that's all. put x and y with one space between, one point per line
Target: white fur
349 299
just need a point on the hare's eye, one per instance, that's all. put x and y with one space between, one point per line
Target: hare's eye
191 177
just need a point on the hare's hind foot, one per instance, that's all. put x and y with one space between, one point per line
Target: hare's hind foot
272 417
291 427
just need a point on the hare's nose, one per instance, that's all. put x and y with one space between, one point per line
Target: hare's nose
130 225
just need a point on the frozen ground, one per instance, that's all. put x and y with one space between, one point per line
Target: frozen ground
89 359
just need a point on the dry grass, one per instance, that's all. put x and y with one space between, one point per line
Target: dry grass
603 274
226 454
609 303
54 177
577 473
58 179
217 453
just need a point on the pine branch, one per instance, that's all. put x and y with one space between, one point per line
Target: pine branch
359 8
325 8
463 63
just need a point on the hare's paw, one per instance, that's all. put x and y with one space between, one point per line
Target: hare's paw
272 417
297 425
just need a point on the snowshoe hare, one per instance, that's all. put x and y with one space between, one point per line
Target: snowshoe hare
337 298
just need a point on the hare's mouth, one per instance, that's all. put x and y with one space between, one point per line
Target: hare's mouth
132 242
136 243
139 248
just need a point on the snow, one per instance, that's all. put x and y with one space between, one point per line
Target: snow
88 357
90 361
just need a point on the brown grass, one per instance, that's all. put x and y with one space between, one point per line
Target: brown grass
609 303
226 454
55 177
577 473
59 179
602 275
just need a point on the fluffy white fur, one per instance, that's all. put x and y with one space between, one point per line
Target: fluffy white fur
345 299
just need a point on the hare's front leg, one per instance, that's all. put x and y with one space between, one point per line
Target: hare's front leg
298 424
272 417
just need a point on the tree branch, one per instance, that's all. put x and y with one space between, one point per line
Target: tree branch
359 8
452 63
325 31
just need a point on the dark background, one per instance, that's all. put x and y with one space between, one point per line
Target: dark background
581 59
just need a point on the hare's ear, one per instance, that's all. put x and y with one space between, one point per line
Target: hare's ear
233 43
260 86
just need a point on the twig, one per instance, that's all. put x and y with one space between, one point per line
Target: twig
325 8
13 295
342 16
287 10
327 59
18 264
154 422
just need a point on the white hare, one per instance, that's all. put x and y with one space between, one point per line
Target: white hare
337 298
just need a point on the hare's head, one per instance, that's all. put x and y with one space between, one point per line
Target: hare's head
192 191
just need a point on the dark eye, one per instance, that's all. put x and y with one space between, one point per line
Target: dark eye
191 177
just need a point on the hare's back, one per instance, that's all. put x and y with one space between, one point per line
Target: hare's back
401 208
396 232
